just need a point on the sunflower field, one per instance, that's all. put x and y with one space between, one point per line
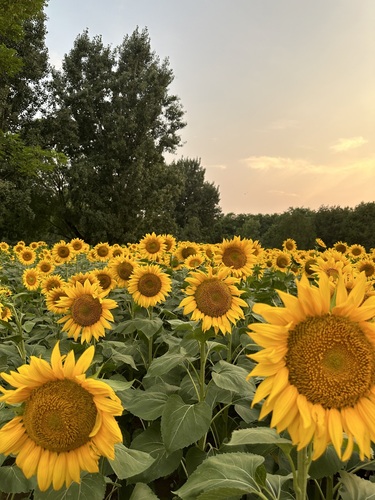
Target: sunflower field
170 369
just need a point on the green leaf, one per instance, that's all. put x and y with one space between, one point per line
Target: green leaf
147 405
182 424
259 435
28 326
12 480
129 462
148 326
143 492
150 441
165 364
230 472
233 378
118 385
355 488
91 487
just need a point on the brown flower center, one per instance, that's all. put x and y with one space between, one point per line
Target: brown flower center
234 257
63 252
213 298
149 285
86 310
60 415
330 361
124 270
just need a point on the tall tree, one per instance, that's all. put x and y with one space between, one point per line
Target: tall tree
197 207
23 66
112 114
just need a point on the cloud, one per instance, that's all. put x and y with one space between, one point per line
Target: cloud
349 143
280 163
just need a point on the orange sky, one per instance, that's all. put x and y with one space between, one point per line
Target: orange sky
279 96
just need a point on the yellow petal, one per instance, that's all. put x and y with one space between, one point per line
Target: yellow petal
335 429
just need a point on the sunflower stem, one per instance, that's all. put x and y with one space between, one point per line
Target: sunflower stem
301 476
202 370
21 343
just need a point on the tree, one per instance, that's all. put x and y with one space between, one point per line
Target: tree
296 223
113 116
197 207
23 66
23 60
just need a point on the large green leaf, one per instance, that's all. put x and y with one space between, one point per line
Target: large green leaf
259 435
166 363
355 488
226 474
183 424
147 405
233 378
149 326
129 462
91 487
150 441
12 480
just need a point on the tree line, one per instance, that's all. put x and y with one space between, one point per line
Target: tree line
82 150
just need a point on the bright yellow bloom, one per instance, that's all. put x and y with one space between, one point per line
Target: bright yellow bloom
149 285
318 365
214 299
88 311
27 256
237 255
67 420
31 279
152 246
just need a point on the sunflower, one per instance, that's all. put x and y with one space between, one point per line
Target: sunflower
45 266
194 261
214 299
152 246
367 266
320 242
78 245
82 277
118 251
237 255
67 421
185 249
341 246
50 282
103 252
289 245
62 252
319 366
5 313
88 311
122 268
4 247
281 261
149 285
53 300
27 256
356 251
31 279
170 243
105 278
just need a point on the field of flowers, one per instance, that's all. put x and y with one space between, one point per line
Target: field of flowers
173 369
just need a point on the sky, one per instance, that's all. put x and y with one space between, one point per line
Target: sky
279 95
